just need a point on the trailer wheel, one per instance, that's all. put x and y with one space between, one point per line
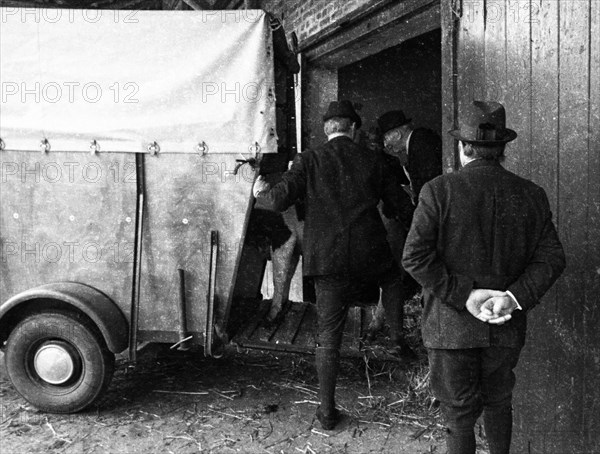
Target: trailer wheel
58 361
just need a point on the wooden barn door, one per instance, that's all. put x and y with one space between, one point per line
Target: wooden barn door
541 59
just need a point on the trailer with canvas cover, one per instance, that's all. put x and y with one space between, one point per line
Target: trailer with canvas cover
129 146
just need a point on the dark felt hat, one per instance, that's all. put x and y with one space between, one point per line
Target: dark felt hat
391 120
343 109
483 123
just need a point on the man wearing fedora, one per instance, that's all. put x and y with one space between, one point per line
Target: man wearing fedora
419 150
483 246
419 159
345 249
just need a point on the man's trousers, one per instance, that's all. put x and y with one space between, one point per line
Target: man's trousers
468 382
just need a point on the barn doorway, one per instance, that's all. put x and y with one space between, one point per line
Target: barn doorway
389 57
395 65
407 76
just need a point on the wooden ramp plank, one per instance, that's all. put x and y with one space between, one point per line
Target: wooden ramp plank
256 320
308 328
298 332
287 332
265 332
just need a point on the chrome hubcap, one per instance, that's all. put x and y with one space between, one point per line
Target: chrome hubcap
54 363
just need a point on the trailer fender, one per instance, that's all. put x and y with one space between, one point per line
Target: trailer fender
100 309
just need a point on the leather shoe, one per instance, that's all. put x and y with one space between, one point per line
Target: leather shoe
328 422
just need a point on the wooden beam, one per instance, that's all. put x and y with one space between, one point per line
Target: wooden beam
591 347
449 94
536 371
573 185
385 38
378 31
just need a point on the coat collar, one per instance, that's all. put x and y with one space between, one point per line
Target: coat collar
482 163
340 138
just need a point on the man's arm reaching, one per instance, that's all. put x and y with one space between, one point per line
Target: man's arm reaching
291 188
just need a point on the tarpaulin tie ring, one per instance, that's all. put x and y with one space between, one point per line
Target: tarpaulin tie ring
45 145
2 145
254 149
94 146
153 148
202 148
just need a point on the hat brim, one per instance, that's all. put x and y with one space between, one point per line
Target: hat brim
356 119
510 136
405 122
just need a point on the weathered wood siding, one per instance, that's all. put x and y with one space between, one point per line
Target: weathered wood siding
541 59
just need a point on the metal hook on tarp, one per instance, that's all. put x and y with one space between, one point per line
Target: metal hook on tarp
254 149
94 146
253 161
153 148
202 148
45 145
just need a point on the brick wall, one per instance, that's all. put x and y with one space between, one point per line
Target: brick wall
309 17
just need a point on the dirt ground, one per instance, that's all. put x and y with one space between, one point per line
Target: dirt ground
248 402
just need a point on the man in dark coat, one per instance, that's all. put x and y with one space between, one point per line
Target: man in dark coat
419 150
416 154
483 246
345 248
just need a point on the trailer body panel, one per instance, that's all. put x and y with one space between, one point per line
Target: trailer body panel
67 217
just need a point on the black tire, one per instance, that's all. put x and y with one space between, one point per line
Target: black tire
92 363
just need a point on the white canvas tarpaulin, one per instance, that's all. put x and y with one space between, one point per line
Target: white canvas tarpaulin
127 79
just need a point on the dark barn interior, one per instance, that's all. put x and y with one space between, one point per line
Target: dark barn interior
407 77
